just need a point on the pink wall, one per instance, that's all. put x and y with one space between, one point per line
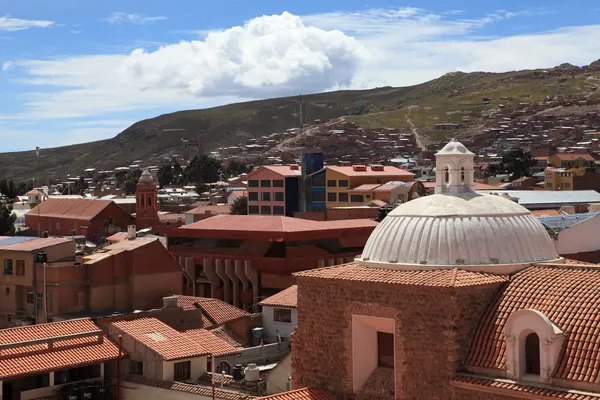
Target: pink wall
266 174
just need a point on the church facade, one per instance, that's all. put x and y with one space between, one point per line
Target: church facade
456 296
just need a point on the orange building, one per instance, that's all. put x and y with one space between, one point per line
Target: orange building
241 258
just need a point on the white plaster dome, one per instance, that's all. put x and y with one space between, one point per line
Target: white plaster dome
146 178
465 229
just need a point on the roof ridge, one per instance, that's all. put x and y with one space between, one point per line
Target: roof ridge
48 323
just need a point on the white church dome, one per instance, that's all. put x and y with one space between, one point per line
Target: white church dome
457 227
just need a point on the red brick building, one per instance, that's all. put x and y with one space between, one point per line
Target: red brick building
456 296
244 258
146 194
94 219
125 276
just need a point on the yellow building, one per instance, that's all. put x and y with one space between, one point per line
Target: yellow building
561 178
342 180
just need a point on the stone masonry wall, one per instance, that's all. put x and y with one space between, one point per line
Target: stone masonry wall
433 330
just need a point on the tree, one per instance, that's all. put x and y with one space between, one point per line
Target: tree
201 187
4 187
518 163
130 186
203 169
7 220
239 206
236 168
165 175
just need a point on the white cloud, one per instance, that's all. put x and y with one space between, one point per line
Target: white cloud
16 24
7 65
120 17
285 55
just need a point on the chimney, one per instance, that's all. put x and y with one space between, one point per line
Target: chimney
131 232
207 212
295 167
170 302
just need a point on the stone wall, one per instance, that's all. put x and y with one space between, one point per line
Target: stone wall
433 327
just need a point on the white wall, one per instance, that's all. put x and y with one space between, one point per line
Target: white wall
277 380
579 238
198 367
270 327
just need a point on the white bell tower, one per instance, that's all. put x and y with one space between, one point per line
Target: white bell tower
454 169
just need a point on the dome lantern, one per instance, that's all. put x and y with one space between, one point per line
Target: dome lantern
454 169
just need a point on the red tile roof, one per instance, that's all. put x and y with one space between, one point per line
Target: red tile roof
512 388
568 296
283 170
573 157
388 171
205 391
80 209
216 310
161 338
211 342
65 353
286 298
300 394
33 244
545 213
272 223
437 278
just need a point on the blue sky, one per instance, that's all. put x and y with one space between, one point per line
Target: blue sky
74 71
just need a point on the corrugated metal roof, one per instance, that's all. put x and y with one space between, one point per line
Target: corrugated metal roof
546 197
561 222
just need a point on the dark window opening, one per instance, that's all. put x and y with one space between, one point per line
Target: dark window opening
265 183
253 183
252 209
35 382
253 196
77 374
385 350
331 183
343 197
343 183
265 196
278 183
265 210
279 196
278 210
332 196
318 180
357 198
224 367
532 354
182 370
136 367
282 315
8 267
276 250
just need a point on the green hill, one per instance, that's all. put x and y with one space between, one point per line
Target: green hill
448 99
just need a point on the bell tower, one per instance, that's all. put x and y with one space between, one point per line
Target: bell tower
146 196
454 169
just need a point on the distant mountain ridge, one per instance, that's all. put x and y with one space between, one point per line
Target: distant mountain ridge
437 100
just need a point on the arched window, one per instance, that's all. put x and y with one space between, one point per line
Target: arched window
462 175
150 201
446 176
224 367
532 354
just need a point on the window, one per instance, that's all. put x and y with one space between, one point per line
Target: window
253 183
278 196
343 183
549 185
7 290
8 267
136 367
224 368
265 183
265 210
532 354
35 382
318 180
567 184
385 350
29 297
343 197
282 315
252 209
318 196
182 370
21 267
149 201
277 210
265 196
357 198
278 183
331 183
332 197
253 196
8 318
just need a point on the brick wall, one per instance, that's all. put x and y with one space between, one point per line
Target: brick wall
433 330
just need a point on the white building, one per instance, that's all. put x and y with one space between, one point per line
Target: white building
280 316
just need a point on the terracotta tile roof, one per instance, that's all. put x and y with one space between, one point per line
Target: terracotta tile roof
437 278
201 390
300 394
283 170
232 339
387 171
481 383
573 157
82 209
545 213
217 311
286 298
161 338
66 353
30 243
211 342
568 296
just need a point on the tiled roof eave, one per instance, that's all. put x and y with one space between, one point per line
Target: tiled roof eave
507 387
